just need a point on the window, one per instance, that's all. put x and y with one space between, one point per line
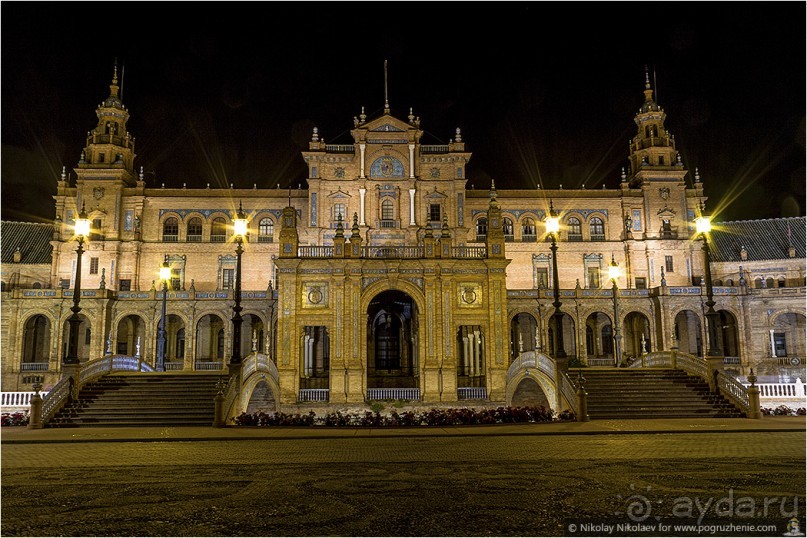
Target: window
575 231
780 283
266 230
528 230
593 277
195 230
101 157
87 337
542 276
641 283
95 231
769 282
179 350
779 344
668 263
170 229
661 160
597 229
339 209
125 284
64 283
93 266
386 210
218 230
481 228
220 344
176 280
434 212
227 279
507 228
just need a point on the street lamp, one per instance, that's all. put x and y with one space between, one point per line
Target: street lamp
81 231
239 231
165 276
614 272
703 226
552 228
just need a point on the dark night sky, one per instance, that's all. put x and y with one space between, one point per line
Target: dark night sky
545 93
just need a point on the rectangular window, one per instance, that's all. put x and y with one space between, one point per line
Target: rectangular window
93 266
340 209
64 283
593 277
641 283
87 337
637 220
95 231
542 276
227 279
125 284
101 157
434 212
176 279
779 344
668 263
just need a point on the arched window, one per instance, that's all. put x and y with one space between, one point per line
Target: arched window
729 282
195 230
718 282
528 230
218 230
574 230
769 282
757 282
780 283
481 228
597 229
179 350
507 228
171 229
266 230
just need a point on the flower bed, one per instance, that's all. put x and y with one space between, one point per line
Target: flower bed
20 418
431 417
784 411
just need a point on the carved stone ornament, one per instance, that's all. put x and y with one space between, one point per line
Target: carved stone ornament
98 193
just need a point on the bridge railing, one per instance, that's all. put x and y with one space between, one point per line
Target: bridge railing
569 392
56 398
734 391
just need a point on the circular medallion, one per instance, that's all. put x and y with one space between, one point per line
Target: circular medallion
795 361
469 295
315 296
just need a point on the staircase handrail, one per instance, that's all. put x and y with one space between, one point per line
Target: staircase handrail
675 359
569 391
654 359
55 399
734 391
94 369
230 394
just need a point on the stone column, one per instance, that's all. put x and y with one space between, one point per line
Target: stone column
361 160
362 192
411 207
411 161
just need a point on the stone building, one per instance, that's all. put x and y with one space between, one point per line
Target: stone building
388 276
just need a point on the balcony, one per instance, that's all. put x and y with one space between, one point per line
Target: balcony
388 224
528 238
34 367
218 238
170 238
266 238
194 238
598 237
573 238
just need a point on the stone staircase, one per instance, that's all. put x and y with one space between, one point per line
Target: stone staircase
651 393
142 399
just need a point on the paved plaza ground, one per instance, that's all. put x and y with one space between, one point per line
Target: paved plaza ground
509 480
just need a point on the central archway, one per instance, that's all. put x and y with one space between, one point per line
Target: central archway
392 336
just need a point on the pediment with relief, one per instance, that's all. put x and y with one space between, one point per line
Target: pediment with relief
338 193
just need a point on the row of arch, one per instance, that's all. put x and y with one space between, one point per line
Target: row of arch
193 229
529 232
133 336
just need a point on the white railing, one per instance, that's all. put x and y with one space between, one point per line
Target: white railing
546 365
664 359
524 360
731 360
469 252
434 148
734 391
111 363
34 367
18 400
781 390
393 394
313 395
174 366
472 393
340 148
209 365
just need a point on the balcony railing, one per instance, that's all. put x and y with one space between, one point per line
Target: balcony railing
340 148
393 394
195 238
174 366
388 224
472 393
469 252
209 365
790 361
528 238
315 252
574 237
434 148
266 238
170 238
313 395
34 367
598 237
509 238
392 252
218 238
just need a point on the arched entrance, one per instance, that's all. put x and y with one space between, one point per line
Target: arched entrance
637 334
688 333
252 335
529 394
210 336
36 343
523 329
599 340
262 399
728 333
130 336
175 342
392 336
568 331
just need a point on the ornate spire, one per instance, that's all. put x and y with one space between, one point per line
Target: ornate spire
114 88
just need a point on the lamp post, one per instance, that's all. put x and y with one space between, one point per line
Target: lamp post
81 230
552 228
703 225
239 231
614 273
165 276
